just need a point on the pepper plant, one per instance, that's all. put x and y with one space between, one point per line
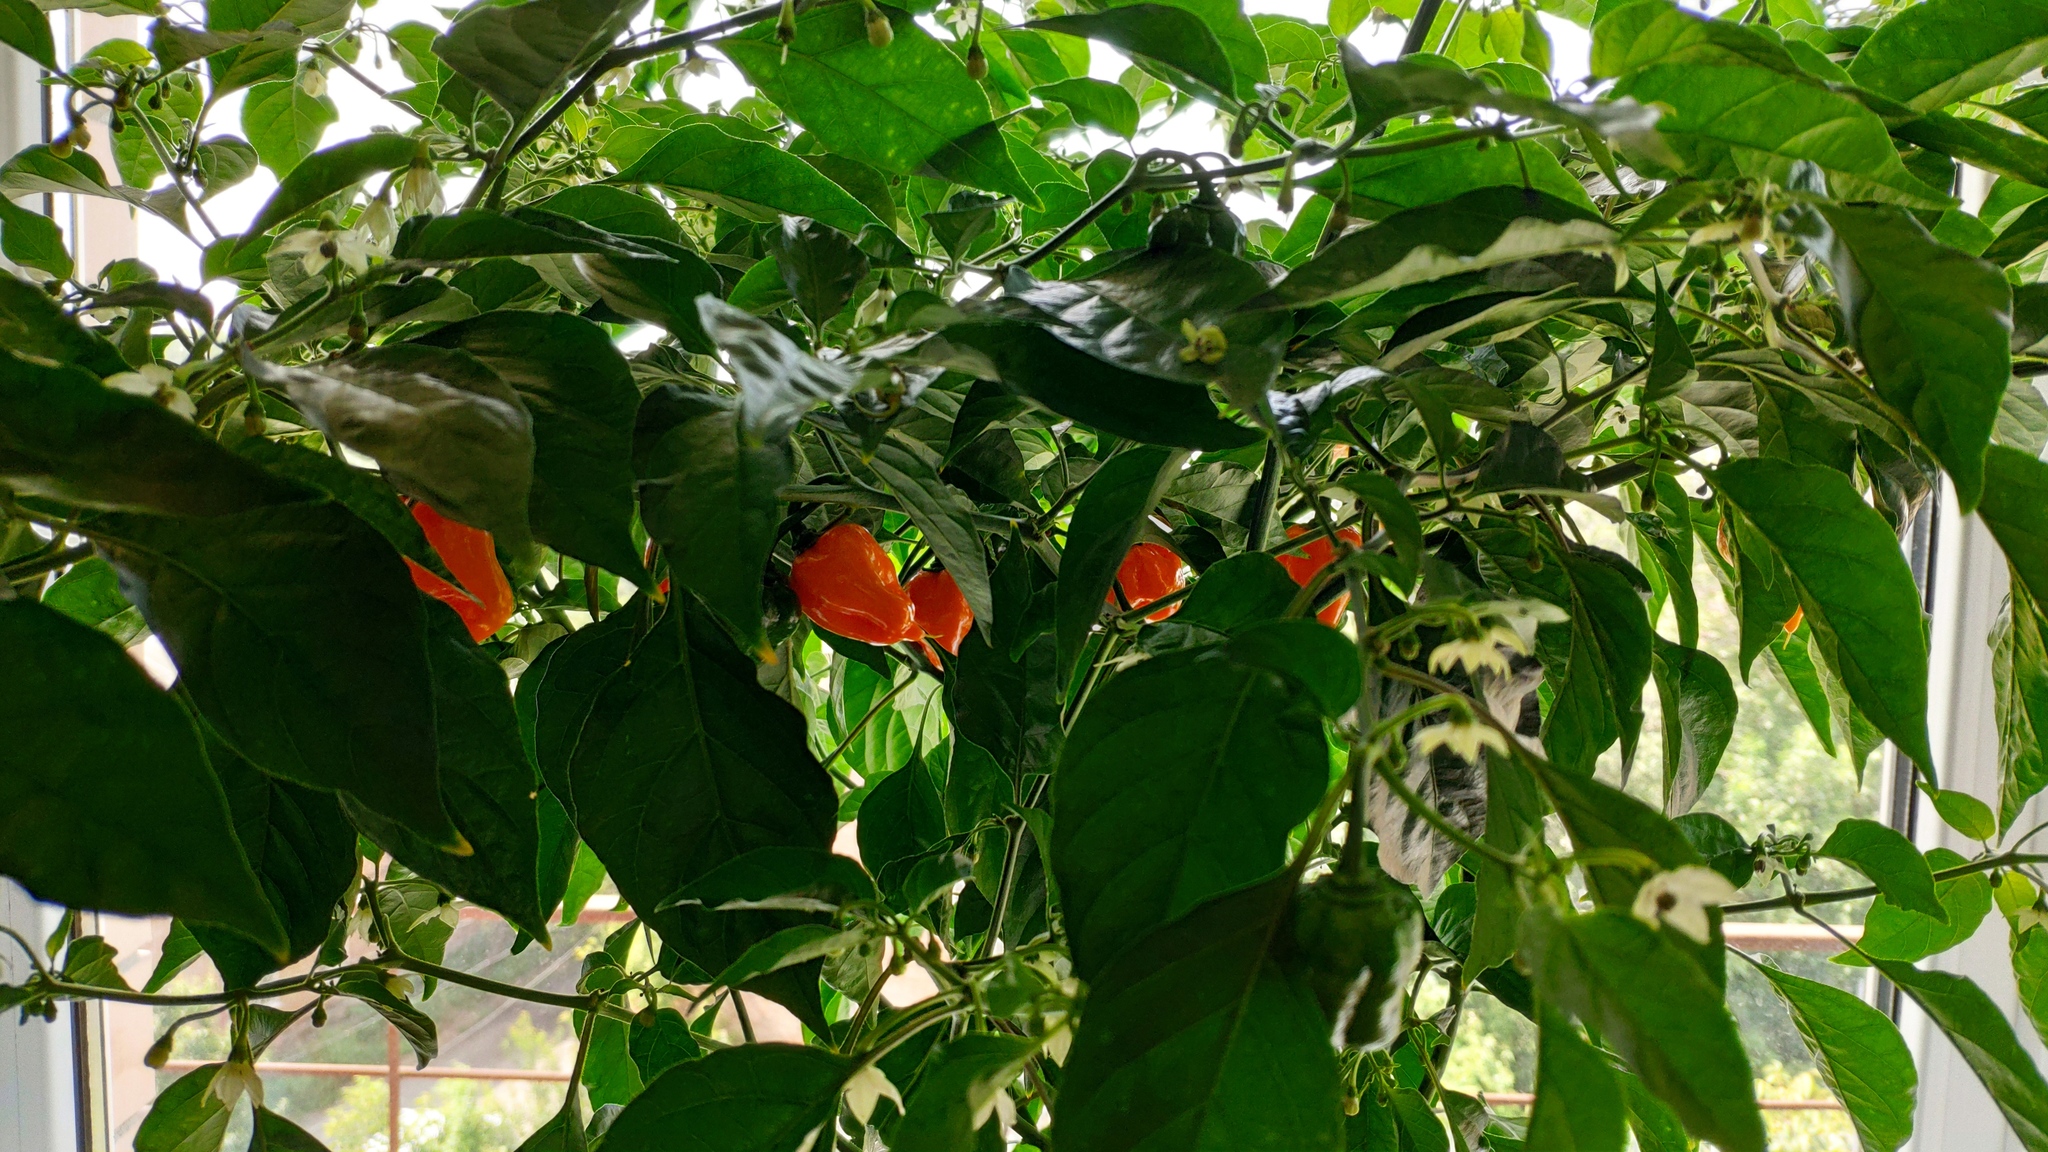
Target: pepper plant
1209 579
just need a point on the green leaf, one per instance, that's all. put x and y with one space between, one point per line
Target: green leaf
1981 1033
522 54
445 427
187 1116
748 177
820 266
2015 485
1933 326
108 800
790 878
684 763
304 854
1964 813
487 782
1893 933
1852 580
779 382
1402 88
580 395
1481 229
1729 121
1891 862
1164 34
895 108
1934 54
708 496
751 1098
942 513
1105 525
1096 103
274 1133
1383 184
1578 1097
522 232
64 437
1198 1038
1033 362
329 171
1698 701
398 1011
307 656
25 28
36 169
283 123
1600 816
569 678
662 288
32 239
179 950
1651 1002
1859 1052
2019 670
1245 589
1180 781
359 490
957 1083
90 593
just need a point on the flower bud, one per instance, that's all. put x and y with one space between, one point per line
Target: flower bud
159 1053
880 31
977 61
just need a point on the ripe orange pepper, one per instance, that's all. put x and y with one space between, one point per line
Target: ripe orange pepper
939 608
846 584
1150 572
1793 621
1304 562
485 599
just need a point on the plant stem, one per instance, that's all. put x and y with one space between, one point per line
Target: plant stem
1800 900
1418 28
40 565
860 726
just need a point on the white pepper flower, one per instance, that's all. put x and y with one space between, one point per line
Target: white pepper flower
867 1087
1486 651
1680 899
1463 737
420 191
158 383
318 247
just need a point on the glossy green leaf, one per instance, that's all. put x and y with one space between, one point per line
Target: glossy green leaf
1698 702
304 854
709 497
1853 582
108 800
1105 525
1475 231
32 239
1165 34
329 171
308 656
2019 669
1984 1037
1933 326
744 176
684 763
1859 1052
487 782
1892 933
1578 1098
957 1085
398 1011
1033 362
446 428
894 108
579 394
1937 53
1891 862
752 1098
274 1133
524 53
1179 781
1096 103
1649 999
186 1116
283 123
1199 1038
26 29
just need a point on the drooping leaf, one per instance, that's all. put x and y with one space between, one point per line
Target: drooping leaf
1934 54
524 53
745 176
1859 1052
1105 525
1890 860
1198 1037
307 656
284 123
1892 933
1649 999
751 1098
1933 326
778 381
186 1116
1981 1032
1179 781
1578 1098
32 239
25 28
108 800
1698 701
1096 103
1853 582
2019 669
957 1086
942 513
579 394
328 171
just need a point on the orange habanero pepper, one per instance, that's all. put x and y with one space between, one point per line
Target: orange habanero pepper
1150 572
940 610
846 584
485 599
1303 563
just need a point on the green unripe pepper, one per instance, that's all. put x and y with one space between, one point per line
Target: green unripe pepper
1357 939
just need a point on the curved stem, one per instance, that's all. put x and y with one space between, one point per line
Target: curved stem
1801 899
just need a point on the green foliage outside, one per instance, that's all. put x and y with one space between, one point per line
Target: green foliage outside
1318 573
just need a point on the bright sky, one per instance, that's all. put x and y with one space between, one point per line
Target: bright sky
361 109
